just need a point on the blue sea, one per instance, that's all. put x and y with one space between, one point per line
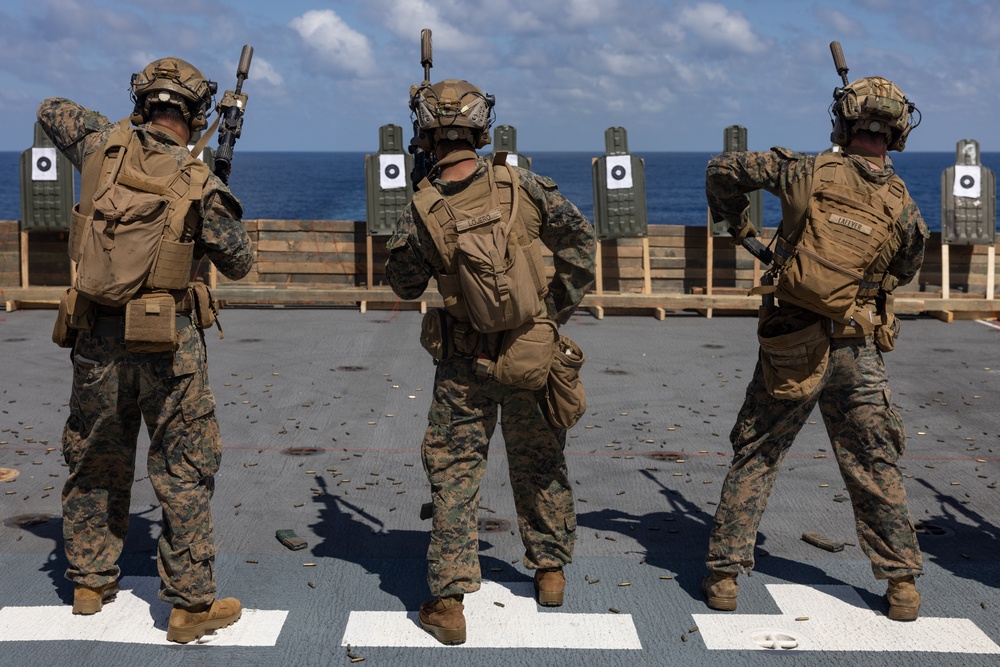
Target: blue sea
331 186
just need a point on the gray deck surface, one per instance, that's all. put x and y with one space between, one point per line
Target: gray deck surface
647 462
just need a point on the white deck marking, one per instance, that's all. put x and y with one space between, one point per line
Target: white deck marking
519 623
131 619
839 620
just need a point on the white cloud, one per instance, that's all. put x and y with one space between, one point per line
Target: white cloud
841 24
263 70
342 48
407 17
715 24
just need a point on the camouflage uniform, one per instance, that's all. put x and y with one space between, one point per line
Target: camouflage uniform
114 389
463 412
866 432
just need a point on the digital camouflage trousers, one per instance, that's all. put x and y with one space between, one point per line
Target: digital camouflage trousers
113 392
867 437
462 419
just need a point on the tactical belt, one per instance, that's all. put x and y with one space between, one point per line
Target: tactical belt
113 326
839 330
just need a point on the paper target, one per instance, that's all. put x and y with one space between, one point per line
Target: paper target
43 164
619 172
392 171
968 181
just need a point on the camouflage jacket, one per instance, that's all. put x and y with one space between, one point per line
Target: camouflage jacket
77 132
788 175
564 230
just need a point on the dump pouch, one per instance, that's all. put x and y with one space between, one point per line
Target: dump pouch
565 398
525 355
150 324
794 363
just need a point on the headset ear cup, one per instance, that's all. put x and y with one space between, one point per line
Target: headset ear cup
841 134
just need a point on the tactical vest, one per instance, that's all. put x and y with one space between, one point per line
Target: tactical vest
833 260
491 271
133 228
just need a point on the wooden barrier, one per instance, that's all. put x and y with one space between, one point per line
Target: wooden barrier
326 262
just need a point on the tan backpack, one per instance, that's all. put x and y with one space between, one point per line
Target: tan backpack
834 262
493 272
133 226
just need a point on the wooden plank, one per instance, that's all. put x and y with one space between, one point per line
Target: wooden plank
347 226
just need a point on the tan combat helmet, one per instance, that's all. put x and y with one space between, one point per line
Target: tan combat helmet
173 81
874 104
451 109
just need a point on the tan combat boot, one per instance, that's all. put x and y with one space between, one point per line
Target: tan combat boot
720 589
189 623
904 600
444 618
550 582
87 600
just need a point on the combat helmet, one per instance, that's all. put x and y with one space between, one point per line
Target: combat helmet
172 81
874 104
451 109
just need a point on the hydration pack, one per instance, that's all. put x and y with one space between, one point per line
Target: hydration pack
834 262
133 227
493 272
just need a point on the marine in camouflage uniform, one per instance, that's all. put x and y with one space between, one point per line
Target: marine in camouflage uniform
114 390
463 413
865 430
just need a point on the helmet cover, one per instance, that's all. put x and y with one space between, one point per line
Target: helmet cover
172 81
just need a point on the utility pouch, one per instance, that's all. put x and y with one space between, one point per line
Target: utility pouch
794 363
565 398
886 334
495 279
172 267
435 334
205 307
525 355
150 324
77 228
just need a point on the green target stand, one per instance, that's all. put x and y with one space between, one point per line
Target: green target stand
387 192
734 138
620 205
46 194
968 213
505 141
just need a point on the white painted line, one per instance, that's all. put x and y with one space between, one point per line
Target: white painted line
839 621
993 324
131 619
518 623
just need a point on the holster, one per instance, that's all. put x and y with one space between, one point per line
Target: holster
76 313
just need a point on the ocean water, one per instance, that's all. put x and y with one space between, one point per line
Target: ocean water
331 186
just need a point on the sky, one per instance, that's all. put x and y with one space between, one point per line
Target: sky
674 73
